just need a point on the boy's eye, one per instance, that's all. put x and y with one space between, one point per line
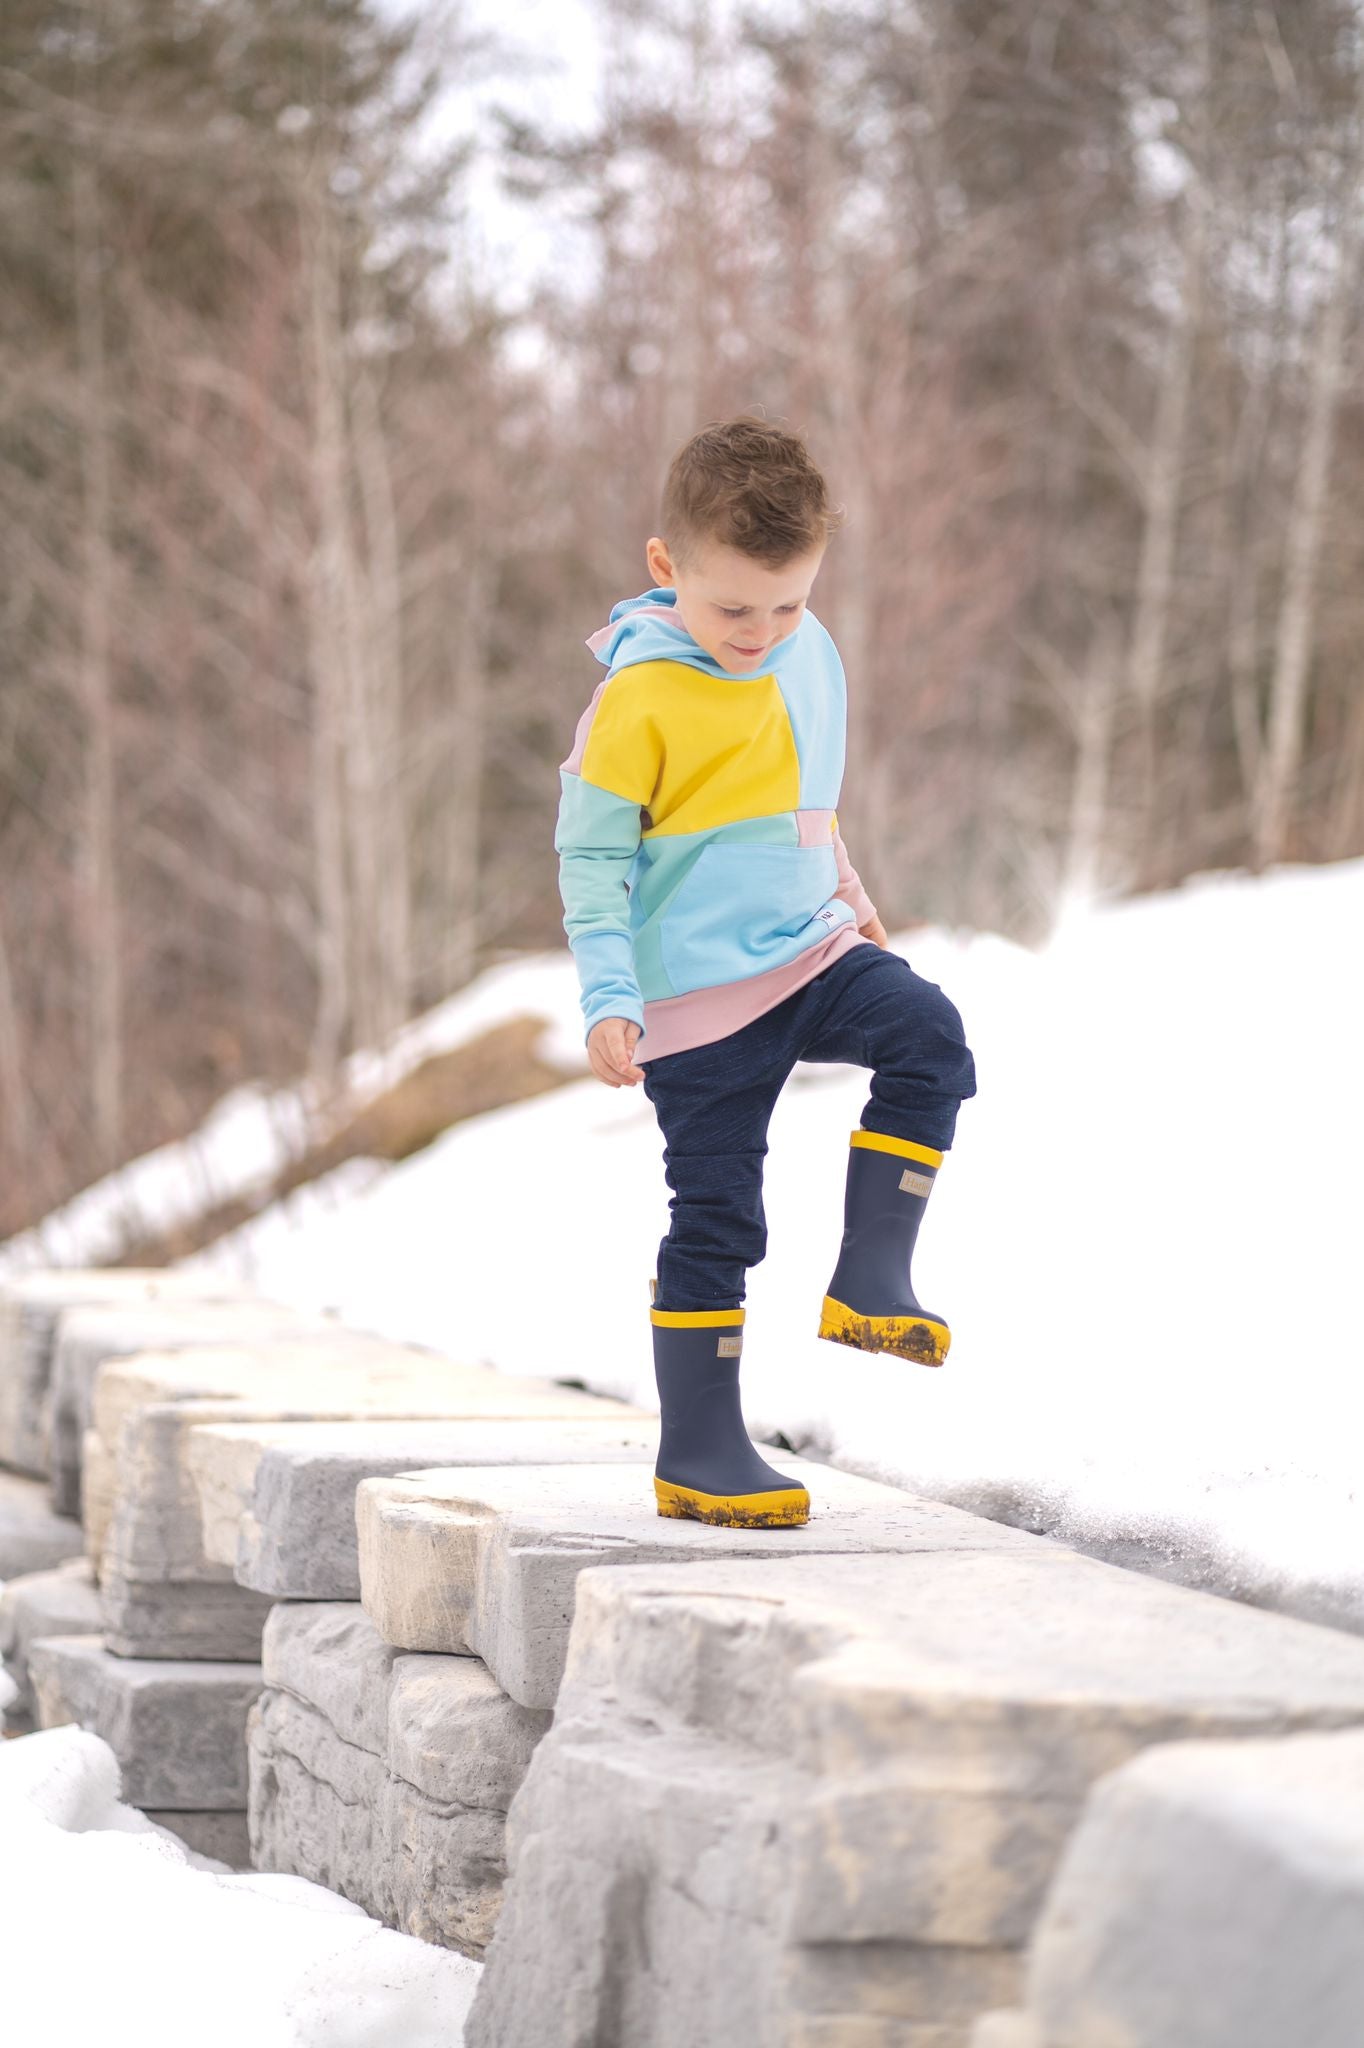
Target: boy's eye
738 613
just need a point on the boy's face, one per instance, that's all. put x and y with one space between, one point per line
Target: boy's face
733 606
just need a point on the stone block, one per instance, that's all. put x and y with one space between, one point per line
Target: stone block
1212 1894
218 1621
141 1501
87 1337
753 1765
857 2031
32 1537
30 1305
277 1499
60 1602
485 1561
384 1776
223 1836
145 1407
869 1984
1012 2029
178 1729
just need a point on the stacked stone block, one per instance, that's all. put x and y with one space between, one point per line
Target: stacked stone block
31 1305
163 1595
385 1776
277 1499
61 1602
1213 1895
165 1667
900 1779
178 1729
820 1801
485 1562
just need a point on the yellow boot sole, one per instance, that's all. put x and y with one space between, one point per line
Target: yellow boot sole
913 1337
786 1508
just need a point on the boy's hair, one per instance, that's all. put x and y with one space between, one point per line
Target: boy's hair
750 486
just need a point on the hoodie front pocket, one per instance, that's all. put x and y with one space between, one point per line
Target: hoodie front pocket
743 909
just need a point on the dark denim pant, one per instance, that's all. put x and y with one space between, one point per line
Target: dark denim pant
714 1103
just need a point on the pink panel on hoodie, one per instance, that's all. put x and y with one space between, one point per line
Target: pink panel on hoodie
814 827
677 1023
574 763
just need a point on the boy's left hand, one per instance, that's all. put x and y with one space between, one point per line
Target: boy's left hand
874 929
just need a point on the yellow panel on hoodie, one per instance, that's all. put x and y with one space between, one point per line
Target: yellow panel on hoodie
730 752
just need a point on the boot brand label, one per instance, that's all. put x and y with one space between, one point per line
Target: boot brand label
729 1347
916 1183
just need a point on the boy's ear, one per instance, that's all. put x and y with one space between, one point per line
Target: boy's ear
659 561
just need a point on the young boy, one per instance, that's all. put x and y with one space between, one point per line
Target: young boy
721 934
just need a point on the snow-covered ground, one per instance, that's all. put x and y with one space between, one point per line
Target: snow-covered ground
115 1932
254 1132
1144 1237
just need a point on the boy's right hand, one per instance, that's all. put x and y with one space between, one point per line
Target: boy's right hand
610 1048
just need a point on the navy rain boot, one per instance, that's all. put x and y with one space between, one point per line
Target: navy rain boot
708 1470
870 1302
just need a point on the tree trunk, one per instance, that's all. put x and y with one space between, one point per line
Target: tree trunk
393 934
13 1093
98 843
1282 753
329 655
1166 466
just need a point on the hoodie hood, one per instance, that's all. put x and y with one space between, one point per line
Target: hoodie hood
647 628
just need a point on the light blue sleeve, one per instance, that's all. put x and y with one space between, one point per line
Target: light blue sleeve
596 839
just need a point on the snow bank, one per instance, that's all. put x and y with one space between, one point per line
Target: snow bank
253 1133
1144 1239
145 1941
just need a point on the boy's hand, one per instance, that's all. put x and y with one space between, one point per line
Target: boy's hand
610 1048
874 929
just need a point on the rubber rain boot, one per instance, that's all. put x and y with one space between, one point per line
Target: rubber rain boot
708 1470
870 1303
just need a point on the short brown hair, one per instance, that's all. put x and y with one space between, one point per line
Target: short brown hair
750 486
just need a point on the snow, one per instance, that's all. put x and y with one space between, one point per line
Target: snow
253 1133
1143 1238
157 1933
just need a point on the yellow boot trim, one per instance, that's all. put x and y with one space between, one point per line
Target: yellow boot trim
916 1337
873 1141
696 1319
786 1508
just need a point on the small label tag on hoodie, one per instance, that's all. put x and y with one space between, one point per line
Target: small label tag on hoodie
916 1183
729 1347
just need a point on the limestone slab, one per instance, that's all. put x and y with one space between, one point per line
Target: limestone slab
219 1622
753 1763
32 1537
384 1776
87 1337
60 1602
178 1729
1012 2029
858 2031
143 1519
277 1499
223 1836
485 1562
1212 1893
30 1305
145 1408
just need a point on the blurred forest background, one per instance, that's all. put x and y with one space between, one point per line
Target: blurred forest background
302 529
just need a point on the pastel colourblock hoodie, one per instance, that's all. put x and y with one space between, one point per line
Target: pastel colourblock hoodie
701 867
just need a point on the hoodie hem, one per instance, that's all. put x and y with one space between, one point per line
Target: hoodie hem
680 1023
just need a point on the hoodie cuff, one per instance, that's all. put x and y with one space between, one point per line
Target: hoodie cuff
606 973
